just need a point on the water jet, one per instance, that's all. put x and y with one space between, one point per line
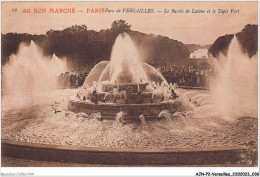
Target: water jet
125 84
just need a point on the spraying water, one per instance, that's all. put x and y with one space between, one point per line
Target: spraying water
125 62
142 119
29 72
234 88
119 116
166 114
96 116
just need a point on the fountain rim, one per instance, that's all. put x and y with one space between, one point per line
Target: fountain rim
104 149
124 156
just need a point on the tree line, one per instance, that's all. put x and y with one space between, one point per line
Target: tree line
84 47
248 39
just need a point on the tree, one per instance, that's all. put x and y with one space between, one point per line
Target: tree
248 38
120 26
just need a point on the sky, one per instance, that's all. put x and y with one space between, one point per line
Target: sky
189 28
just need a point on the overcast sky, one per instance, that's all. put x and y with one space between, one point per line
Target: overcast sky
187 28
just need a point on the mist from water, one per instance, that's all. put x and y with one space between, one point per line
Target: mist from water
29 72
234 87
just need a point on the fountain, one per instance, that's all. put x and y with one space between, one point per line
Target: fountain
234 88
193 131
30 73
125 84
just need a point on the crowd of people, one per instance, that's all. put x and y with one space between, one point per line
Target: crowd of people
182 76
185 76
71 80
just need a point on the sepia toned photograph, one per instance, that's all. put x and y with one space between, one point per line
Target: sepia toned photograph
129 84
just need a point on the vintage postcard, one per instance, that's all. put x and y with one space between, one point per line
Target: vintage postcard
130 84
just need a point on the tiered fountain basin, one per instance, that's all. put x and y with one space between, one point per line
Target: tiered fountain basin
131 99
110 110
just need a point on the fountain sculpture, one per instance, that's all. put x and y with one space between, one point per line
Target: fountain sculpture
125 84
